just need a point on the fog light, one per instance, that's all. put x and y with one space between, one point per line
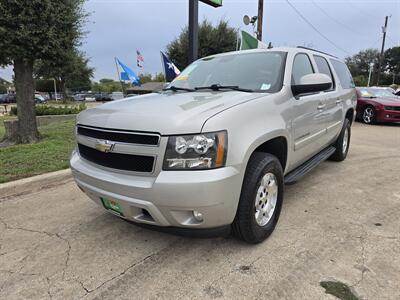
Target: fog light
198 215
387 116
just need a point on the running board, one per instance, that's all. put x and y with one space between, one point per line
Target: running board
306 167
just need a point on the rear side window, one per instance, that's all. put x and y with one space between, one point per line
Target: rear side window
301 66
343 73
323 67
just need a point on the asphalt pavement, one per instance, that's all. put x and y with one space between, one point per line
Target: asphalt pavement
340 223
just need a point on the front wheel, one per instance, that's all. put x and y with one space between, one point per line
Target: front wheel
260 200
368 115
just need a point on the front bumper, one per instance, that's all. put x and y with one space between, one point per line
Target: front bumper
167 199
388 116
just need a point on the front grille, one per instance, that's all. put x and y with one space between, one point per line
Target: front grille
395 108
119 136
128 162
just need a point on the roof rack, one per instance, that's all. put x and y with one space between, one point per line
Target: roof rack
302 47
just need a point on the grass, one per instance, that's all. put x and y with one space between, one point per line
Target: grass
50 154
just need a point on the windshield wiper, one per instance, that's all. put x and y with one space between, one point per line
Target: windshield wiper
176 88
218 87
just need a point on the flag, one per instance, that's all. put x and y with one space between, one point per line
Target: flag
170 70
139 58
129 73
124 76
250 42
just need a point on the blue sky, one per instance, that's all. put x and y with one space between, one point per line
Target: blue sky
119 27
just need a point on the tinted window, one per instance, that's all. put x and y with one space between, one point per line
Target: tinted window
323 67
346 81
301 66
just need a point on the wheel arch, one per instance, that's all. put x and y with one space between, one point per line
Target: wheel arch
277 146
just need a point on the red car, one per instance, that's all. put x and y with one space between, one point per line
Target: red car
376 105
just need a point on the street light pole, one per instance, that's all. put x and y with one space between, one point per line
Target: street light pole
384 29
193 30
55 88
371 65
260 19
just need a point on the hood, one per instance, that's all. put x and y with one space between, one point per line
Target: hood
165 113
390 101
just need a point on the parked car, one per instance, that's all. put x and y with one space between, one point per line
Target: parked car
215 148
79 97
102 97
39 99
377 105
8 98
117 95
2 98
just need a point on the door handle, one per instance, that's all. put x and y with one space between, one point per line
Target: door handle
321 106
338 101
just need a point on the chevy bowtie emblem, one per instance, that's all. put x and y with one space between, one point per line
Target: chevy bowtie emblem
104 146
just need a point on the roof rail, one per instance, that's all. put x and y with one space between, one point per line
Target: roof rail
302 47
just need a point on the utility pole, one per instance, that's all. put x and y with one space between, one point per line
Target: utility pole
193 30
260 19
384 29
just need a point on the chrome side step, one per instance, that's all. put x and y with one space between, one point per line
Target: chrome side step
309 165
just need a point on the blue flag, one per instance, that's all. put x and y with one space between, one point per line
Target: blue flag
170 70
124 76
129 73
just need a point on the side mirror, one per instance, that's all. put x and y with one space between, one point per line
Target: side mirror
312 83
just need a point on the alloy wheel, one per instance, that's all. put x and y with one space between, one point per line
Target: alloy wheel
266 199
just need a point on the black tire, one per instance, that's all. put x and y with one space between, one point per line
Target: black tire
340 154
371 112
245 225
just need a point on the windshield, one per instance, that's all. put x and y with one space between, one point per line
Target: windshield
375 93
261 72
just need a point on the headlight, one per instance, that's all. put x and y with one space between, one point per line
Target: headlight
199 151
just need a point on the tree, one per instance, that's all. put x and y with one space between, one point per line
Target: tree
32 30
359 64
212 40
71 70
3 89
392 63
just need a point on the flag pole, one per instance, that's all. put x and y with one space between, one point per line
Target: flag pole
119 76
163 66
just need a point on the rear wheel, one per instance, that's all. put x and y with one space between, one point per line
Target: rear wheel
368 115
342 143
260 200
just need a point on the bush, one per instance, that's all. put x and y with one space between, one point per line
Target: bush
46 110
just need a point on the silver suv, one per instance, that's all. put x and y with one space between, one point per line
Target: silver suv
215 148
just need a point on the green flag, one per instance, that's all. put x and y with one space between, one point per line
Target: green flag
250 42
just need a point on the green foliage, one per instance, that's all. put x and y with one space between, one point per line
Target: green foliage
45 85
159 77
50 154
38 29
71 70
145 78
3 89
107 87
359 64
212 40
45 110
392 62
360 80
106 80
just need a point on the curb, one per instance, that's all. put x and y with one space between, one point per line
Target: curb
33 184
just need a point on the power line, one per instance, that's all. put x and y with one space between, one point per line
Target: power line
315 28
335 20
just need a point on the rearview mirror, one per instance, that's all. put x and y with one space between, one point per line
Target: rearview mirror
312 83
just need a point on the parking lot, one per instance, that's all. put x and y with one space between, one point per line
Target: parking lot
340 223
